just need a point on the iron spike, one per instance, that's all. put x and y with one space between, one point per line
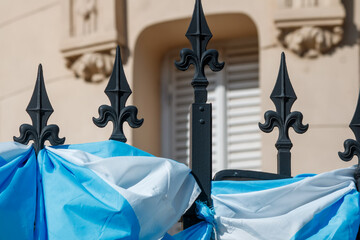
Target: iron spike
39 110
283 97
118 91
198 33
39 107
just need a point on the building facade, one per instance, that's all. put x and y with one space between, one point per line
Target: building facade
75 42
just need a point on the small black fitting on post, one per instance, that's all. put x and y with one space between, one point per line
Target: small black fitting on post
283 96
39 110
118 91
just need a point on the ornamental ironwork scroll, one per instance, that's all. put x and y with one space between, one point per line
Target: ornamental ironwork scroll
351 146
39 110
283 96
118 91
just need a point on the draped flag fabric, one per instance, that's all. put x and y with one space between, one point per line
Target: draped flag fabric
110 190
324 206
106 190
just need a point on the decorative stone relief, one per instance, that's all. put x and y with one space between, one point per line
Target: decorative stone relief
93 67
92 30
310 27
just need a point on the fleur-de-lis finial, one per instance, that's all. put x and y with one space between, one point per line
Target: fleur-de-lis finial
283 97
352 147
118 91
199 35
39 110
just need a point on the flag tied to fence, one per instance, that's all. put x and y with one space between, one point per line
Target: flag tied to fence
110 190
107 190
323 206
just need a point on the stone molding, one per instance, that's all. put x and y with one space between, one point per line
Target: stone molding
91 31
310 28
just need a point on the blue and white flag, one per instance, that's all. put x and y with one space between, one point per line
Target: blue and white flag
107 190
324 206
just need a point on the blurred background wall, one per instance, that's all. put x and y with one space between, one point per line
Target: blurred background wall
75 42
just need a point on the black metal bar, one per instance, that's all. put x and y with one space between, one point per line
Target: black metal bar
201 147
39 110
283 97
243 175
352 147
199 35
118 91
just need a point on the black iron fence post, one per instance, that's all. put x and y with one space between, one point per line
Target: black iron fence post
283 97
199 35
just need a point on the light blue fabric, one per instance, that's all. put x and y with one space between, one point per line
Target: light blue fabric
56 199
338 221
106 149
90 191
234 187
201 231
17 194
79 205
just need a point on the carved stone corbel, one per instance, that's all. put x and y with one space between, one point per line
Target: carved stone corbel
310 28
92 30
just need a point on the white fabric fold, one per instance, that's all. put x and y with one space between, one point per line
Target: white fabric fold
279 213
159 190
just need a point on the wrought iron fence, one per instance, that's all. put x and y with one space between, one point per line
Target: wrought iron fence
118 91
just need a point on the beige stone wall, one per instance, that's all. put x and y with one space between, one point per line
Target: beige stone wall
326 86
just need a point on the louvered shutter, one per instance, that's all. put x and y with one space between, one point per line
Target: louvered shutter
235 96
243 108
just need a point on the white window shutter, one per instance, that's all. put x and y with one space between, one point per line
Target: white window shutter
235 96
243 108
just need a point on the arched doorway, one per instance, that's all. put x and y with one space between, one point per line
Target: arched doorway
163 93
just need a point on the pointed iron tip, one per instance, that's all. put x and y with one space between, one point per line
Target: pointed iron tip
40 71
118 60
283 62
118 52
283 58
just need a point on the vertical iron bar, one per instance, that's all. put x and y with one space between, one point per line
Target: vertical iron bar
201 147
199 35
